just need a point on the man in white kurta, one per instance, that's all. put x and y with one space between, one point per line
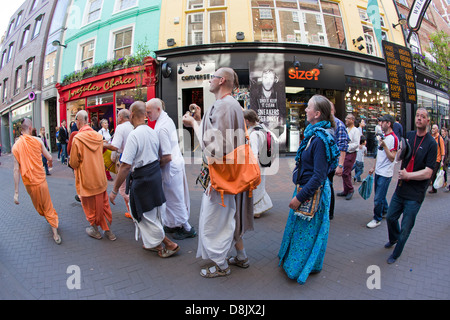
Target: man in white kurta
141 152
175 186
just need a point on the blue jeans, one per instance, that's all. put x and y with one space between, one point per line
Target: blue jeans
380 203
359 169
397 233
59 150
63 152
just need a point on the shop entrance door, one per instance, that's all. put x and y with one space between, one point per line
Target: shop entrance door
189 96
100 112
52 123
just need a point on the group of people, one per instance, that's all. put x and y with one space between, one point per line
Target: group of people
150 159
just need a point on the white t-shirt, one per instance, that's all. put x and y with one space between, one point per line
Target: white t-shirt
121 135
354 136
384 166
141 148
105 134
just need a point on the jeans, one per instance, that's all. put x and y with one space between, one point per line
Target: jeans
59 150
63 152
380 203
398 233
359 169
45 163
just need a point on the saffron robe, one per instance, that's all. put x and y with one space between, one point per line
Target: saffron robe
28 153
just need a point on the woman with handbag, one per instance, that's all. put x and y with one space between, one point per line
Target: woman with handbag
306 234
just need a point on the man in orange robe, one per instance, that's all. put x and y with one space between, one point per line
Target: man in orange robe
28 151
86 158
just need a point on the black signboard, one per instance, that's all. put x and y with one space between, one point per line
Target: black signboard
400 73
308 75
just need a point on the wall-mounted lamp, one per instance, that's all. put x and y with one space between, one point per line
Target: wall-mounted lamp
240 35
401 21
198 68
180 70
359 39
360 47
171 42
319 63
297 63
56 43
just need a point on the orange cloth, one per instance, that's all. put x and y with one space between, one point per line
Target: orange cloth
28 153
441 147
97 210
86 158
40 196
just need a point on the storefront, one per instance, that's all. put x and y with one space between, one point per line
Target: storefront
103 96
277 83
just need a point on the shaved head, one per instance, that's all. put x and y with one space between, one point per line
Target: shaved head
26 126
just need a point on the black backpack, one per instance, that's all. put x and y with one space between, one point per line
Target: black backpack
266 153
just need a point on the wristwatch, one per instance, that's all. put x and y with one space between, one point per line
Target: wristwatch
340 166
115 193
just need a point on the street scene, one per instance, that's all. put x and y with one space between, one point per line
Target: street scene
33 267
225 150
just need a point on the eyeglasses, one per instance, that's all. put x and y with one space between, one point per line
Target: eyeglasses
214 76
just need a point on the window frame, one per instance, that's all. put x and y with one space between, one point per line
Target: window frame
28 80
80 52
37 26
87 12
117 6
17 80
25 36
111 50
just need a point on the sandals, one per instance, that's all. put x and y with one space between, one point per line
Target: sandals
58 240
234 261
165 253
213 271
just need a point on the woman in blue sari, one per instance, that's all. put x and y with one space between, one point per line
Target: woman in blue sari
304 242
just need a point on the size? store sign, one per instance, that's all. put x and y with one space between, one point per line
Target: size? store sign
400 73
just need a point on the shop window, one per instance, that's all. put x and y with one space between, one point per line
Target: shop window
102 99
87 54
73 107
25 35
125 98
122 43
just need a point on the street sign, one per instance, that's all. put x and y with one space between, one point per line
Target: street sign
400 73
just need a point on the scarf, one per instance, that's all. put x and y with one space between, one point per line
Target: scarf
320 130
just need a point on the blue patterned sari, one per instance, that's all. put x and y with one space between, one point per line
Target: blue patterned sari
304 242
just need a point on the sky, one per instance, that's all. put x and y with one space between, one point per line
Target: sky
7 9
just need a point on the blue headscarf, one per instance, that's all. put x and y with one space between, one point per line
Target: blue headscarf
320 130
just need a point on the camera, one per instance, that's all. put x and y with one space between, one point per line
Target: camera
380 137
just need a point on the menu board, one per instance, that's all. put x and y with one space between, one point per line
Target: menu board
400 73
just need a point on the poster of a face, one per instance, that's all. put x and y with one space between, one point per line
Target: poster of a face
267 94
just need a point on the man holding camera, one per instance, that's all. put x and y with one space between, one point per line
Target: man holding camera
383 168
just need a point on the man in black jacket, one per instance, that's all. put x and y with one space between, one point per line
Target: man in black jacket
63 139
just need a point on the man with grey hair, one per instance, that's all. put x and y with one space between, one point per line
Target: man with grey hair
175 185
118 145
140 157
86 158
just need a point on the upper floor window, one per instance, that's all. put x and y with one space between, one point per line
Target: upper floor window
10 51
5 90
25 36
10 28
94 10
37 26
18 80
4 58
29 73
122 43
404 2
34 5
124 4
207 25
19 19
87 54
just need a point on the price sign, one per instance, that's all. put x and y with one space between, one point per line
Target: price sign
400 72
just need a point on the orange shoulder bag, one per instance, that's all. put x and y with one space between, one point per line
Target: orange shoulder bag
237 172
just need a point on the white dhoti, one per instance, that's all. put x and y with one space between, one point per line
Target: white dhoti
176 191
150 229
216 227
261 199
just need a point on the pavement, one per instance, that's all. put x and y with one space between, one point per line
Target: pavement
33 267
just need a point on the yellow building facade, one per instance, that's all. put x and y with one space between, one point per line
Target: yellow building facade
305 47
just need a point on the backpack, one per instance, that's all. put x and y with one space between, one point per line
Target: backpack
269 150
